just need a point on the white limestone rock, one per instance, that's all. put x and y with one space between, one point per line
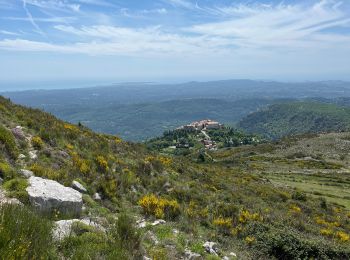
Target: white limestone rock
26 173
189 255
33 155
6 200
211 248
63 228
97 196
79 187
47 196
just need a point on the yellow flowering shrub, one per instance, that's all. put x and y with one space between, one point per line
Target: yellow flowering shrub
246 216
295 209
71 127
223 224
37 142
193 211
81 164
102 163
342 236
69 146
326 232
159 207
118 140
323 222
250 240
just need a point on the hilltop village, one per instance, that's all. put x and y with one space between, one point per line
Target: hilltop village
202 126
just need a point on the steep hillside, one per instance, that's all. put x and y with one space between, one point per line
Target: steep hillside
210 210
286 119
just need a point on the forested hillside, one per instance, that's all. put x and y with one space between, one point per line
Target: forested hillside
301 117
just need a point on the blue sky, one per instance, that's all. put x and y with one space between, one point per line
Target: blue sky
163 40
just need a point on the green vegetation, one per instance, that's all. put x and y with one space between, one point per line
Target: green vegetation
238 199
286 119
184 139
24 235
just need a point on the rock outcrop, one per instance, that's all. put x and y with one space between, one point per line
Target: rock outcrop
48 196
63 228
78 186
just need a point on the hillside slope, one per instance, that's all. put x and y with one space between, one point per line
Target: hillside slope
286 119
222 202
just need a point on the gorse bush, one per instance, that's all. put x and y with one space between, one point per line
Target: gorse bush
8 143
160 207
37 142
23 234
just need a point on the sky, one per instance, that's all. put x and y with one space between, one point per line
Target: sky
173 40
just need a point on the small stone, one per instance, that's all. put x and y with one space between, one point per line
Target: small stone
141 223
189 255
33 155
21 156
18 132
97 196
232 254
26 173
78 186
158 222
211 248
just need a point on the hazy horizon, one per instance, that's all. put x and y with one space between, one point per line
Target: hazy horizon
174 40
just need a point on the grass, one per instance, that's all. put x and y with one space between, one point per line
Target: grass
332 187
24 235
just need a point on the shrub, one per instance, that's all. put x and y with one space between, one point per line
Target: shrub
102 163
126 235
17 188
298 195
23 234
159 207
342 236
6 171
8 140
246 216
223 224
37 142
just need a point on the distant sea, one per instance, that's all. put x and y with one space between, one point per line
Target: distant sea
47 85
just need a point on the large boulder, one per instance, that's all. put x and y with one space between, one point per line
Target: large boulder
48 196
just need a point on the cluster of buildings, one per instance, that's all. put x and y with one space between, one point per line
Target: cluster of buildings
202 125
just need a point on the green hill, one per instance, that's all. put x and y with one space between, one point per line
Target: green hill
293 118
230 201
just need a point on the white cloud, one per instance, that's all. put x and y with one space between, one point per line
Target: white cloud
60 5
242 30
9 33
56 19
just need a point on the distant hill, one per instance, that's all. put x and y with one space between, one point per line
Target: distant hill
142 121
280 120
138 111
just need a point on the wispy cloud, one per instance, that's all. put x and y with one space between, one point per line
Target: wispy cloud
9 33
55 5
55 19
239 29
31 19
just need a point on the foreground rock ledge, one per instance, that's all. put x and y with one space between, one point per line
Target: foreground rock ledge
48 196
